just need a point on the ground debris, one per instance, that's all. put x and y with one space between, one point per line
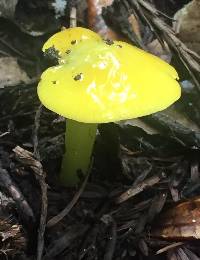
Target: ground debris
7 8
27 158
137 189
10 73
180 222
65 241
13 238
14 192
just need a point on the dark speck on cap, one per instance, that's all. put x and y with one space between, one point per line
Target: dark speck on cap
73 42
78 76
109 42
68 51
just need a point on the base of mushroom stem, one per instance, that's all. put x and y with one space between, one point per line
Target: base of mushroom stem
79 141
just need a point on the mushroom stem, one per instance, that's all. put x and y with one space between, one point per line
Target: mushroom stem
79 141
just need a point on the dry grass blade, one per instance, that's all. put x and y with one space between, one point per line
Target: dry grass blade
167 248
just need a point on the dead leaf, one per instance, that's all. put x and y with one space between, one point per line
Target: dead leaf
96 21
187 25
135 26
182 118
139 123
10 73
182 222
7 8
156 48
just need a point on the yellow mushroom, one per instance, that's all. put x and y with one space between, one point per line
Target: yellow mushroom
100 81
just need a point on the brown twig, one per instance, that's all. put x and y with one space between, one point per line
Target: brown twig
5 43
35 132
10 186
139 188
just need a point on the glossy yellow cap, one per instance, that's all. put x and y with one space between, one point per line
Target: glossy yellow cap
101 81
64 40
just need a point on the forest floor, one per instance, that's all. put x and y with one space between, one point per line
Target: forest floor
141 199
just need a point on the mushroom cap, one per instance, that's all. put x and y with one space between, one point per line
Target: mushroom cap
63 41
102 81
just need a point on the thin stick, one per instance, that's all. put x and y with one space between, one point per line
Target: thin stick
35 132
73 15
139 188
167 248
